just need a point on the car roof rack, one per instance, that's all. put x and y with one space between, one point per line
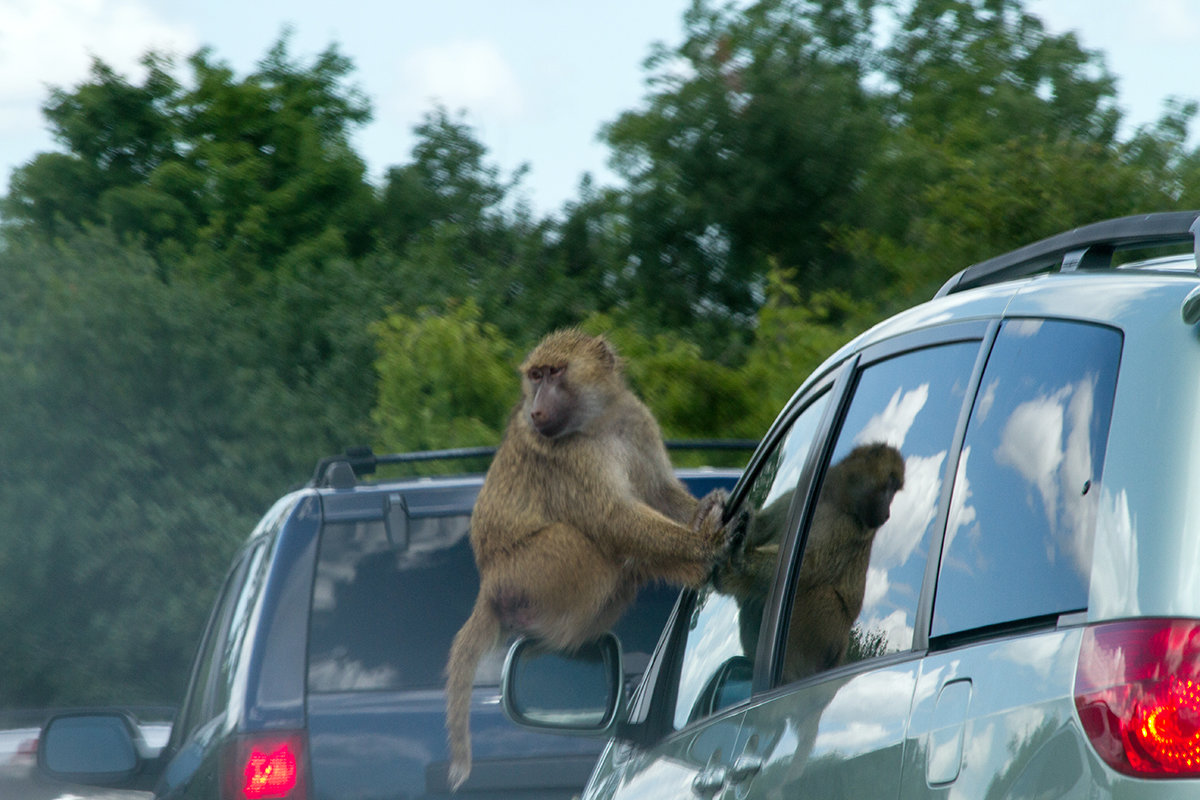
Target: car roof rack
1090 247
343 471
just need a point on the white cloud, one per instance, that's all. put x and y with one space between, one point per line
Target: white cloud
962 513
912 510
462 74
987 401
877 587
51 43
1114 583
863 713
891 425
1048 441
1032 444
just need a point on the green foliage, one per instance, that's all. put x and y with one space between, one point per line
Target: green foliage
133 460
792 339
447 183
755 134
246 169
1005 134
992 64
449 379
690 397
445 380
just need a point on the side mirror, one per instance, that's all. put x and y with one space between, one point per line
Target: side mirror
579 693
93 748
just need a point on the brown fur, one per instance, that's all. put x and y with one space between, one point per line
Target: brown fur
579 509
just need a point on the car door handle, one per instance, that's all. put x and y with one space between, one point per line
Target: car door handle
744 768
709 780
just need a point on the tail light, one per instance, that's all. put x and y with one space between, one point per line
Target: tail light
266 767
1137 690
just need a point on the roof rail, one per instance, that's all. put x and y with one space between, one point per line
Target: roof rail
333 470
363 461
1088 247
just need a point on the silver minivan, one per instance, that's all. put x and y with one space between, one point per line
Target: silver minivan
1025 622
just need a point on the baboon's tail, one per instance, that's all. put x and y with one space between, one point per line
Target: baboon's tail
478 634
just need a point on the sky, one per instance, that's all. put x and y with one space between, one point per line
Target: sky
537 78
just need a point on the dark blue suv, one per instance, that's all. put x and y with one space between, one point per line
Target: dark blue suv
320 672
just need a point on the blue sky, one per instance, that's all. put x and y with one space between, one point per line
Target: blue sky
537 77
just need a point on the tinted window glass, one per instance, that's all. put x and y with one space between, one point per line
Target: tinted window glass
198 707
216 661
239 622
723 625
867 546
1019 538
384 618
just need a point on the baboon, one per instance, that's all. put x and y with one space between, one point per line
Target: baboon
578 510
855 501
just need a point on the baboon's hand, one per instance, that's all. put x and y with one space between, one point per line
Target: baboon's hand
734 551
708 518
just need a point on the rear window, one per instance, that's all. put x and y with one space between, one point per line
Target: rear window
1018 544
383 617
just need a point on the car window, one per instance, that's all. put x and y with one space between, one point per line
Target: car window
201 703
230 653
723 624
383 617
1019 537
863 563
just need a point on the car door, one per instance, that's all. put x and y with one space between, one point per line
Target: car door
687 719
833 725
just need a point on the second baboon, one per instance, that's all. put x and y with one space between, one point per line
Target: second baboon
855 501
579 509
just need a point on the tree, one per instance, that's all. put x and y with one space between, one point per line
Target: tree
992 63
116 134
275 149
752 144
1003 134
231 172
454 229
448 183
142 440
445 380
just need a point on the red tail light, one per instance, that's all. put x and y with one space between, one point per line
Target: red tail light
266 767
1137 691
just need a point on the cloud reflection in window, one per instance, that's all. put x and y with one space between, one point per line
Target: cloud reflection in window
1047 441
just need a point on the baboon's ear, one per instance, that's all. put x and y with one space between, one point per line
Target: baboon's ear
606 354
